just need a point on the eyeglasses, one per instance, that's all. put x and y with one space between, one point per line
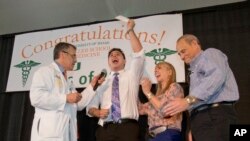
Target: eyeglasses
72 55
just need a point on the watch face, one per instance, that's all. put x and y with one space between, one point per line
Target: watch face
188 100
193 99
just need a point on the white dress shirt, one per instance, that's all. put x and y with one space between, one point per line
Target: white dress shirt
129 82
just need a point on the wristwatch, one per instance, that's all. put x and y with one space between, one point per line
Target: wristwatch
190 100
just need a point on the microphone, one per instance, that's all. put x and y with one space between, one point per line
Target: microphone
102 74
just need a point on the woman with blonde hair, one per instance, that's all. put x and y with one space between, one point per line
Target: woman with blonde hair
161 126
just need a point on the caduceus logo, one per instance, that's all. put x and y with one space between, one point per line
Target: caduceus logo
26 67
159 54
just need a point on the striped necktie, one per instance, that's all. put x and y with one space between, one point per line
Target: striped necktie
116 111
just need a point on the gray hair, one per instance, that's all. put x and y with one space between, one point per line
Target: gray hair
62 46
189 38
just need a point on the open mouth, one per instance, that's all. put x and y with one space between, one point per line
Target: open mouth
157 75
115 61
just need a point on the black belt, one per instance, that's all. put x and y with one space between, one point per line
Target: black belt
120 121
209 106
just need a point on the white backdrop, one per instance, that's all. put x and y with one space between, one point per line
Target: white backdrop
158 35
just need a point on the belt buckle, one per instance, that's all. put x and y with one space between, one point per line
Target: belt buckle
119 121
157 131
215 105
152 134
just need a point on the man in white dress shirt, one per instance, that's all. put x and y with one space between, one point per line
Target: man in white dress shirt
127 127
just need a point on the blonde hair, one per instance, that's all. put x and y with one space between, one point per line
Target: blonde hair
171 80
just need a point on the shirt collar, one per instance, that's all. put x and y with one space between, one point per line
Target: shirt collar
196 60
60 67
112 72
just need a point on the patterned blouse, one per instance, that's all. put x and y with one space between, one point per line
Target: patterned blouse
158 117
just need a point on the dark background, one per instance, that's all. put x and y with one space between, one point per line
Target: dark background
225 27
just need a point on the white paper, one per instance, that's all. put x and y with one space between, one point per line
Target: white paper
122 18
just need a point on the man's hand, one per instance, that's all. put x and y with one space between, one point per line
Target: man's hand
103 113
73 97
100 113
130 24
97 80
176 106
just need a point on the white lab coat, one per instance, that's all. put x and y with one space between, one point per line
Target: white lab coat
54 119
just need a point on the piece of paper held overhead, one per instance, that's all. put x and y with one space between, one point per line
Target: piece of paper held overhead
122 18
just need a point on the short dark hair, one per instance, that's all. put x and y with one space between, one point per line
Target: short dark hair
119 50
60 47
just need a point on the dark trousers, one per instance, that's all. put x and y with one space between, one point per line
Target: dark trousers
213 124
118 132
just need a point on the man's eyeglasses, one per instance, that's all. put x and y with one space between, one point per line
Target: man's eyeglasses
72 55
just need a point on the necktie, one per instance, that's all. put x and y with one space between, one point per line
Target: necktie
116 111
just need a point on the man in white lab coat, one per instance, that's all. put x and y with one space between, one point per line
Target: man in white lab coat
55 100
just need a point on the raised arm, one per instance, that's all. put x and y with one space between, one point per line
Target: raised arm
135 42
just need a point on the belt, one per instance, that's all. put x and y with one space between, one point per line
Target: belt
159 129
120 121
209 106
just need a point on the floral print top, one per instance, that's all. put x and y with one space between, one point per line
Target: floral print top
158 117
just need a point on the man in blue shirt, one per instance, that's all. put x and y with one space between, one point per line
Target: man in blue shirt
212 92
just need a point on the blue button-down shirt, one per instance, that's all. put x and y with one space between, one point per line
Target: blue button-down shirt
211 79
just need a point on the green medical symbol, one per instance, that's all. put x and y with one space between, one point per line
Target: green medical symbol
26 67
160 54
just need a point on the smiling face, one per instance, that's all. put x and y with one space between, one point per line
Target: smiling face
164 72
165 75
116 60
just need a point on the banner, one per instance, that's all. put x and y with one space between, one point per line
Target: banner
158 35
